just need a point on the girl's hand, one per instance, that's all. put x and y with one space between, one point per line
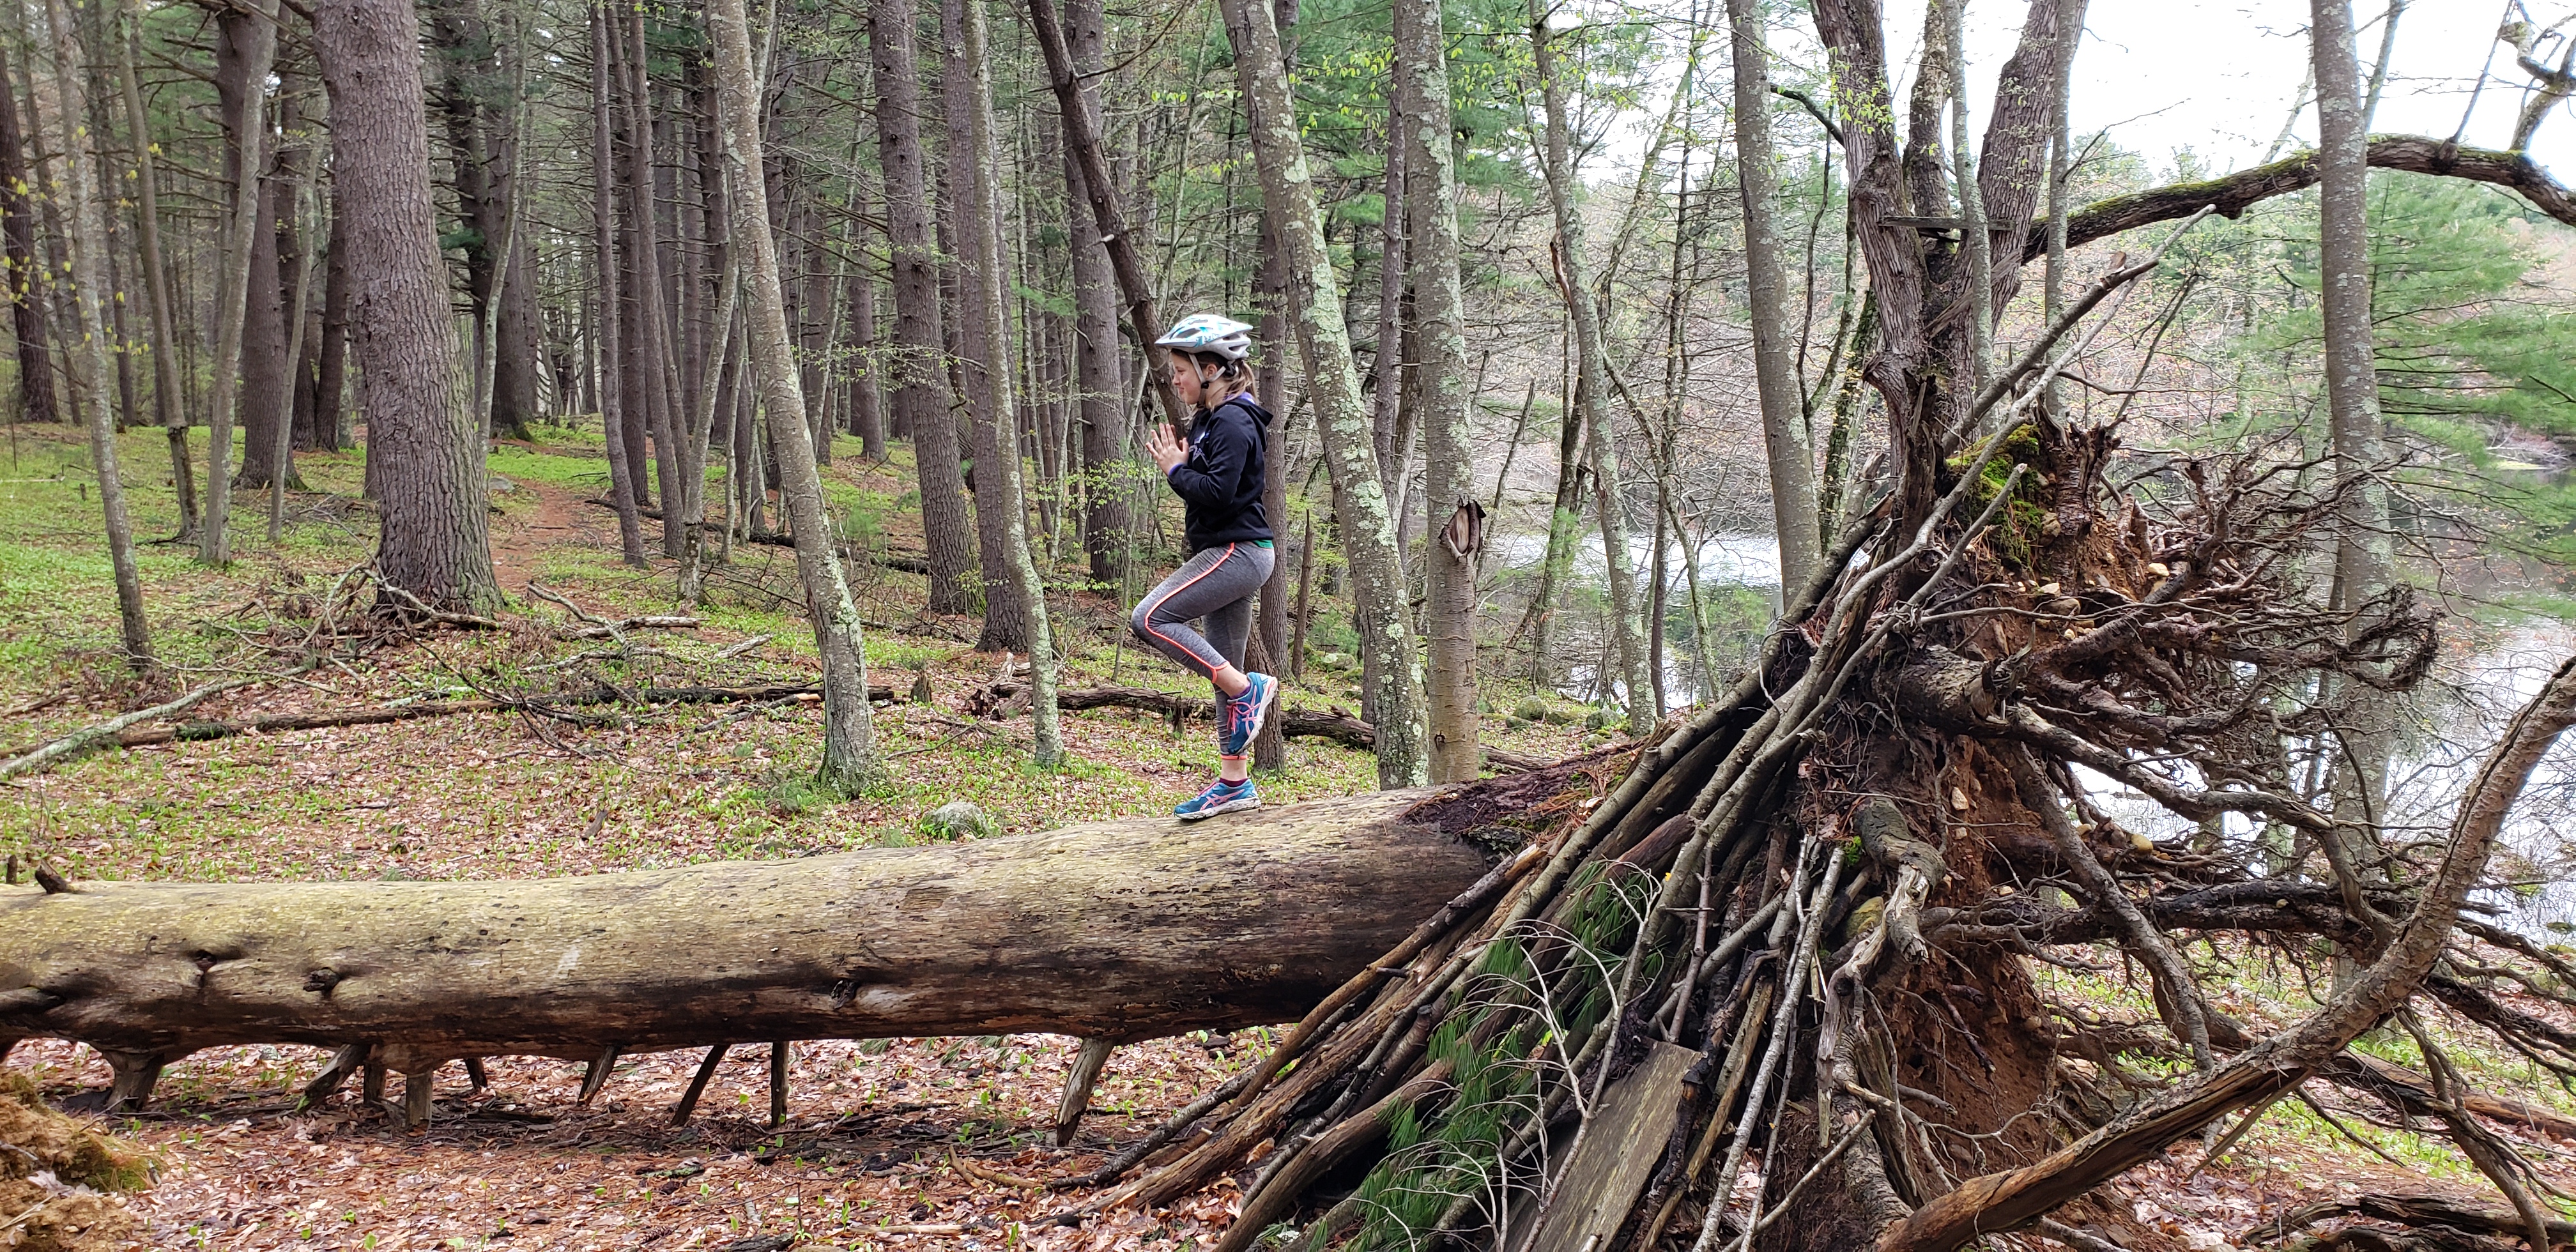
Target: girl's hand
1165 447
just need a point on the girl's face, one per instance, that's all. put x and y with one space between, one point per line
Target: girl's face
1194 386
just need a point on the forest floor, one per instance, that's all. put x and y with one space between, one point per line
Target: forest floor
868 1154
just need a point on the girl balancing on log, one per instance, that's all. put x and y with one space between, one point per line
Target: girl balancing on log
1216 469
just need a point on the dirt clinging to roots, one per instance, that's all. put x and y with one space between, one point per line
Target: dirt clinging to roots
58 1178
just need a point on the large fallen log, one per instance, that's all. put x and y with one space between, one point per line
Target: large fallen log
1111 930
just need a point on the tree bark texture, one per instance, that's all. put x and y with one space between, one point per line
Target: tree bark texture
1333 389
433 541
849 735
920 388
169 398
1115 930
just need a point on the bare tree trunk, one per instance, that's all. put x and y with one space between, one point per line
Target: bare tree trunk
297 177
1097 356
1008 615
88 246
254 46
330 370
849 735
920 392
26 275
2363 566
1000 479
1786 441
1454 524
1388 366
1324 343
867 401
1592 383
1278 643
622 466
263 345
433 543
651 332
168 398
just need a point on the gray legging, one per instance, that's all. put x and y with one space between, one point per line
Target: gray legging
1215 584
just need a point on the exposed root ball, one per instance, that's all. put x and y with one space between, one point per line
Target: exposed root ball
57 1178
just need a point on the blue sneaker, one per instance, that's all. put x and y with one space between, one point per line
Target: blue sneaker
1220 797
1245 713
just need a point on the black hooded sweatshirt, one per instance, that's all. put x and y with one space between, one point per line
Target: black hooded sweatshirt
1221 479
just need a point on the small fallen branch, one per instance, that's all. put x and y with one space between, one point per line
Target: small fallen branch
112 730
123 732
594 626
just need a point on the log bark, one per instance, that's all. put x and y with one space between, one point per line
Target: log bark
1114 930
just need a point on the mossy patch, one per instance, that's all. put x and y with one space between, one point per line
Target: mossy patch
2024 520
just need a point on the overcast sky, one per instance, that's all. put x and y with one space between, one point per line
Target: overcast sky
2218 76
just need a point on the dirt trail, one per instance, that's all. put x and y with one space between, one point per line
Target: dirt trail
521 538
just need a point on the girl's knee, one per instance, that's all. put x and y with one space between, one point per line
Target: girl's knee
1141 620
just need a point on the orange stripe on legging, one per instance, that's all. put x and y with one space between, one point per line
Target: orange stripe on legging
1157 607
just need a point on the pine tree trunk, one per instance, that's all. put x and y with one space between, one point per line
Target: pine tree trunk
1324 343
88 247
26 273
920 395
849 735
433 543
1454 520
652 328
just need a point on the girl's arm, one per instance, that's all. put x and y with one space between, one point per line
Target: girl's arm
1226 450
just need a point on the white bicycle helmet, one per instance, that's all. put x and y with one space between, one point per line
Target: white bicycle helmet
1208 332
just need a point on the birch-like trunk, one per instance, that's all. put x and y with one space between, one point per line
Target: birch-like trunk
1333 388
849 733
